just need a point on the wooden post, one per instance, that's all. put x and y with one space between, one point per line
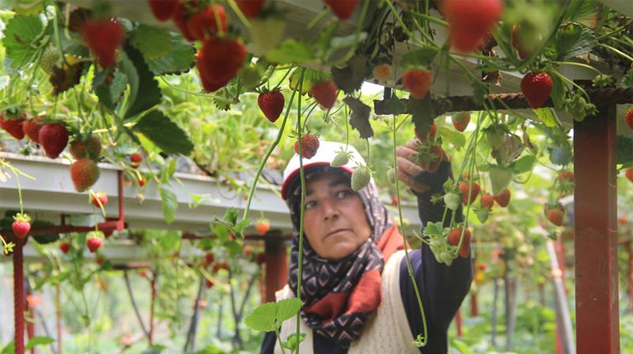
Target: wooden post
276 265
597 318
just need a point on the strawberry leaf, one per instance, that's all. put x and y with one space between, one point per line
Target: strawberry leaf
452 136
144 90
421 57
350 78
164 133
269 317
524 164
169 201
291 51
178 60
422 114
19 39
623 150
151 41
359 119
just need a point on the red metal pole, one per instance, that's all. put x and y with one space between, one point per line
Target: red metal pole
629 275
474 308
30 326
18 296
597 318
276 266
458 322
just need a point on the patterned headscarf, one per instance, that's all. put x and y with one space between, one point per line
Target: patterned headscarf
339 296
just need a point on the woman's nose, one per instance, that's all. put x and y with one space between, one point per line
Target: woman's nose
329 208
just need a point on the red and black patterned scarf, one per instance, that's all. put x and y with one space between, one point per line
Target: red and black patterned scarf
340 296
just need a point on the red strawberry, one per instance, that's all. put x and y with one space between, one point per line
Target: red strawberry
566 176
142 181
53 139
219 61
250 8
464 188
460 120
99 260
84 173
343 9
272 104
143 273
487 200
471 21
503 198
629 118
394 200
453 239
261 258
536 88
224 265
417 82
181 14
163 10
21 226
432 163
556 216
629 173
208 283
135 160
13 127
309 145
93 243
262 226
247 251
203 24
324 92
382 73
90 148
103 37
208 258
99 199
64 247
32 128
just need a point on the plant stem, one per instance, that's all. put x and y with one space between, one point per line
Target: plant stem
404 239
303 201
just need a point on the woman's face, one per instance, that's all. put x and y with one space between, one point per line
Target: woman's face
334 220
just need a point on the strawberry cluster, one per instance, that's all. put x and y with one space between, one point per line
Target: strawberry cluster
221 57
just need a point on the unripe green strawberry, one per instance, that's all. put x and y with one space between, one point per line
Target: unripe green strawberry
49 59
84 173
360 177
391 175
341 159
250 75
452 200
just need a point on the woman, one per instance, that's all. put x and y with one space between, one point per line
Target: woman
357 294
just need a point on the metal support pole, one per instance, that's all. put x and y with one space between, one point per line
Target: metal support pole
276 266
596 233
18 296
458 322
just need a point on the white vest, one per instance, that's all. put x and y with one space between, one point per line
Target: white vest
386 332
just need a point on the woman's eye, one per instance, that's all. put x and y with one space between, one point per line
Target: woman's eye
343 193
309 205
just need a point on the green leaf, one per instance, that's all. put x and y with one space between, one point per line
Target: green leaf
452 136
35 341
269 316
558 90
499 179
433 229
197 200
573 40
350 78
461 346
346 41
422 114
233 248
144 92
293 341
169 202
623 150
178 60
359 119
310 77
291 51
19 38
109 95
421 57
167 171
164 133
523 164
548 117
560 155
151 41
